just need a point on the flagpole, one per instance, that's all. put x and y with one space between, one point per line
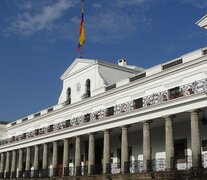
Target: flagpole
81 52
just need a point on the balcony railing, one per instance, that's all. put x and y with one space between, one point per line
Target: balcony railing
195 87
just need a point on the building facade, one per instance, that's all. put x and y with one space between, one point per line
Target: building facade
114 119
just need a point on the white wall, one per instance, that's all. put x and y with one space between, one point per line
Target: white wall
3 131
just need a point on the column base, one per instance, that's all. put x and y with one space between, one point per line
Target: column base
7 174
91 171
78 170
13 174
27 174
36 173
20 174
55 172
66 171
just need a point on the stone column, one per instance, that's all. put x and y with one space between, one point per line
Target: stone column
44 161
13 166
146 146
91 154
169 143
55 158
2 165
20 170
66 158
36 161
124 150
195 140
7 168
28 162
106 152
78 156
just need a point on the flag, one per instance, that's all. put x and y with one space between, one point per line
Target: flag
81 32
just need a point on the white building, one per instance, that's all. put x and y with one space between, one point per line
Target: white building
114 119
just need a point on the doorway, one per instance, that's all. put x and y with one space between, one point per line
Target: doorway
180 147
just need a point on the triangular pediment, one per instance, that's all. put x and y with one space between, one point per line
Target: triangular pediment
78 65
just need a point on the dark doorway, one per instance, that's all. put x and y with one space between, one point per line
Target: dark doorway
99 151
98 156
180 146
60 161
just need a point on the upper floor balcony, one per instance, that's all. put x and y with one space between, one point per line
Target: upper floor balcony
154 99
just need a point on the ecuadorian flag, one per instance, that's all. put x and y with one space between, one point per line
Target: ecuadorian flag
81 32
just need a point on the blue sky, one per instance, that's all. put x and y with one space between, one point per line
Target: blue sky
38 40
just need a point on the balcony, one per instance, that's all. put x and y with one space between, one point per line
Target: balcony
154 99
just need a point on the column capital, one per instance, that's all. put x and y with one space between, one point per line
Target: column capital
171 116
92 133
107 130
194 111
147 122
78 136
126 126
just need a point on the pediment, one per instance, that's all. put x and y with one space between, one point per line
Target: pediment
78 65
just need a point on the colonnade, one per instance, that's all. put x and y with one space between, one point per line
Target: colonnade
10 169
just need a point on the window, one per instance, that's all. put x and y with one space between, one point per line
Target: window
87 117
68 100
110 87
139 76
205 52
175 93
204 145
171 64
88 88
37 114
110 111
50 110
138 103
24 119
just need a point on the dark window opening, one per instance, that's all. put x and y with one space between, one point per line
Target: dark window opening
138 103
24 119
205 52
110 87
110 111
139 76
88 88
171 64
68 123
37 114
87 117
175 93
68 100
14 123
50 110
204 145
